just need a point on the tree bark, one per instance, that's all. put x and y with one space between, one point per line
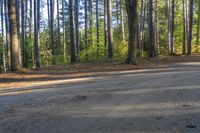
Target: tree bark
172 29
8 37
190 28
15 66
3 61
105 26
91 21
72 31
184 28
17 6
109 27
198 24
77 26
122 22
30 33
52 31
64 42
36 29
86 23
97 26
58 22
152 47
131 7
22 33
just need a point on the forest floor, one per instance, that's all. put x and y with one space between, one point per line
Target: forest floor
158 96
51 74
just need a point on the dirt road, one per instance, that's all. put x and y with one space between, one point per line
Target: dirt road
161 100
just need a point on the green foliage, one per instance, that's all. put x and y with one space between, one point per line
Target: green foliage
45 49
29 52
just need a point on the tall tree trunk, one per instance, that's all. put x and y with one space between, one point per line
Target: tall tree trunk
198 24
49 18
37 28
72 31
142 28
86 23
117 11
152 47
122 22
30 33
38 34
77 26
184 28
97 26
105 26
109 27
91 21
14 37
64 42
8 37
26 34
140 24
187 23
52 31
169 26
23 33
170 15
190 28
17 6
58 21
31 19
3 42
172 28
131 7
156 27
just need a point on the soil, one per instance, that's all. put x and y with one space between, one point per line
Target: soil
161 97
30 77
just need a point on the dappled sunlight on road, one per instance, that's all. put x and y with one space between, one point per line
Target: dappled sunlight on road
42 86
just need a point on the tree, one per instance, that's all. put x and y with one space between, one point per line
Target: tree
170 18
72 31
36 30
198 24
15 66
64 43
17 6
23 33
105 25
152 47
30 33
189 52
3 58
142 23
156 27
171 50
122 22
97 26
8 42
52 31
77 26
58 23
184 27
131 7
86 23
109 27
91 19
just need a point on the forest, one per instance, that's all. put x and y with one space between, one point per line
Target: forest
38 33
